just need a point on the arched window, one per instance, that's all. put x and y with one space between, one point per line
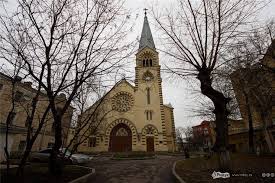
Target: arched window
149 115
143 63
151 63
147 64
148 95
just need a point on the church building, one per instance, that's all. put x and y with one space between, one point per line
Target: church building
133 117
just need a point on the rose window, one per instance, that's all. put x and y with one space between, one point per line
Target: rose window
148 76
122 102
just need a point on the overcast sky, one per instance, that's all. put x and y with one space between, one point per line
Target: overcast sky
177 92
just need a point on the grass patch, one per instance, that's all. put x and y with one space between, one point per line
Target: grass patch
38 173
244 168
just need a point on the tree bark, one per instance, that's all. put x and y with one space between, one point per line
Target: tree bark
20 170
55 163
250 125
221 113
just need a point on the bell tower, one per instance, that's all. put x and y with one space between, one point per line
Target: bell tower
148 87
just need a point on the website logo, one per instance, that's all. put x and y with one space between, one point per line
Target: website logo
216 175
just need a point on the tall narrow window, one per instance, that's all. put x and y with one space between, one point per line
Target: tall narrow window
151 64
148 95
21 146
12 117
147 115
147 64
18 96
143 63
92 142
150 115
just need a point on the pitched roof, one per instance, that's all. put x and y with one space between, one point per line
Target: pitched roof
146 39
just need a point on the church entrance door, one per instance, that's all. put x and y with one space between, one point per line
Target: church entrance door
150 144
120 139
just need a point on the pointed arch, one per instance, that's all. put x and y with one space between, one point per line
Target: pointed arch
149 130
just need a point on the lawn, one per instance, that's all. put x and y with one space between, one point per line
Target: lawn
244 168
38 173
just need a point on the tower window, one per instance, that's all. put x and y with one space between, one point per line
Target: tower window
148 95
147 63
12 117
143 63
151 64
149 115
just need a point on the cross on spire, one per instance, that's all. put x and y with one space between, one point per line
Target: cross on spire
146 38
145 11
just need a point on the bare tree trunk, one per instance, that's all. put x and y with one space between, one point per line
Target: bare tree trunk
55 163
250 125
7 141
268 139
221 113
20 170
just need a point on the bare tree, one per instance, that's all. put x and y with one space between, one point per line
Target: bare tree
198 32
253 77
89 119
66 43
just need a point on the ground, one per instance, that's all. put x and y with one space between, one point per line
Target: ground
156 170
38 172
245 168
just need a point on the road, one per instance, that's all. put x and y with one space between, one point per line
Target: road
156 170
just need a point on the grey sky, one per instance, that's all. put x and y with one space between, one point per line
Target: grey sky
176 92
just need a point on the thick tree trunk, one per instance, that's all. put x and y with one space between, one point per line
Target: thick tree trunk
20 170
55 163
221 113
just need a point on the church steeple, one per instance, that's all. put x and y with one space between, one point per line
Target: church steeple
146 39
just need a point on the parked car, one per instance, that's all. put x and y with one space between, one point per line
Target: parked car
77 158
81 158
44 155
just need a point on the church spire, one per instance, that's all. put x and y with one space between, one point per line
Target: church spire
146 38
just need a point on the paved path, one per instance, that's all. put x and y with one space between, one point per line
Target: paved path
134 171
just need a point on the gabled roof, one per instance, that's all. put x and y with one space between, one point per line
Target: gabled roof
146 39
168 105
103 97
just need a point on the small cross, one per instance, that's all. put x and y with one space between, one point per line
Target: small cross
145 9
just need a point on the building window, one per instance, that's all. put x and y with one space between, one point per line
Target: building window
148 95
50 145
143 63
18 96
21 145
149 115
12 117
151 63
92 141
1 86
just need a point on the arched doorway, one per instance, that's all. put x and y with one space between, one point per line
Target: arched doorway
120 138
